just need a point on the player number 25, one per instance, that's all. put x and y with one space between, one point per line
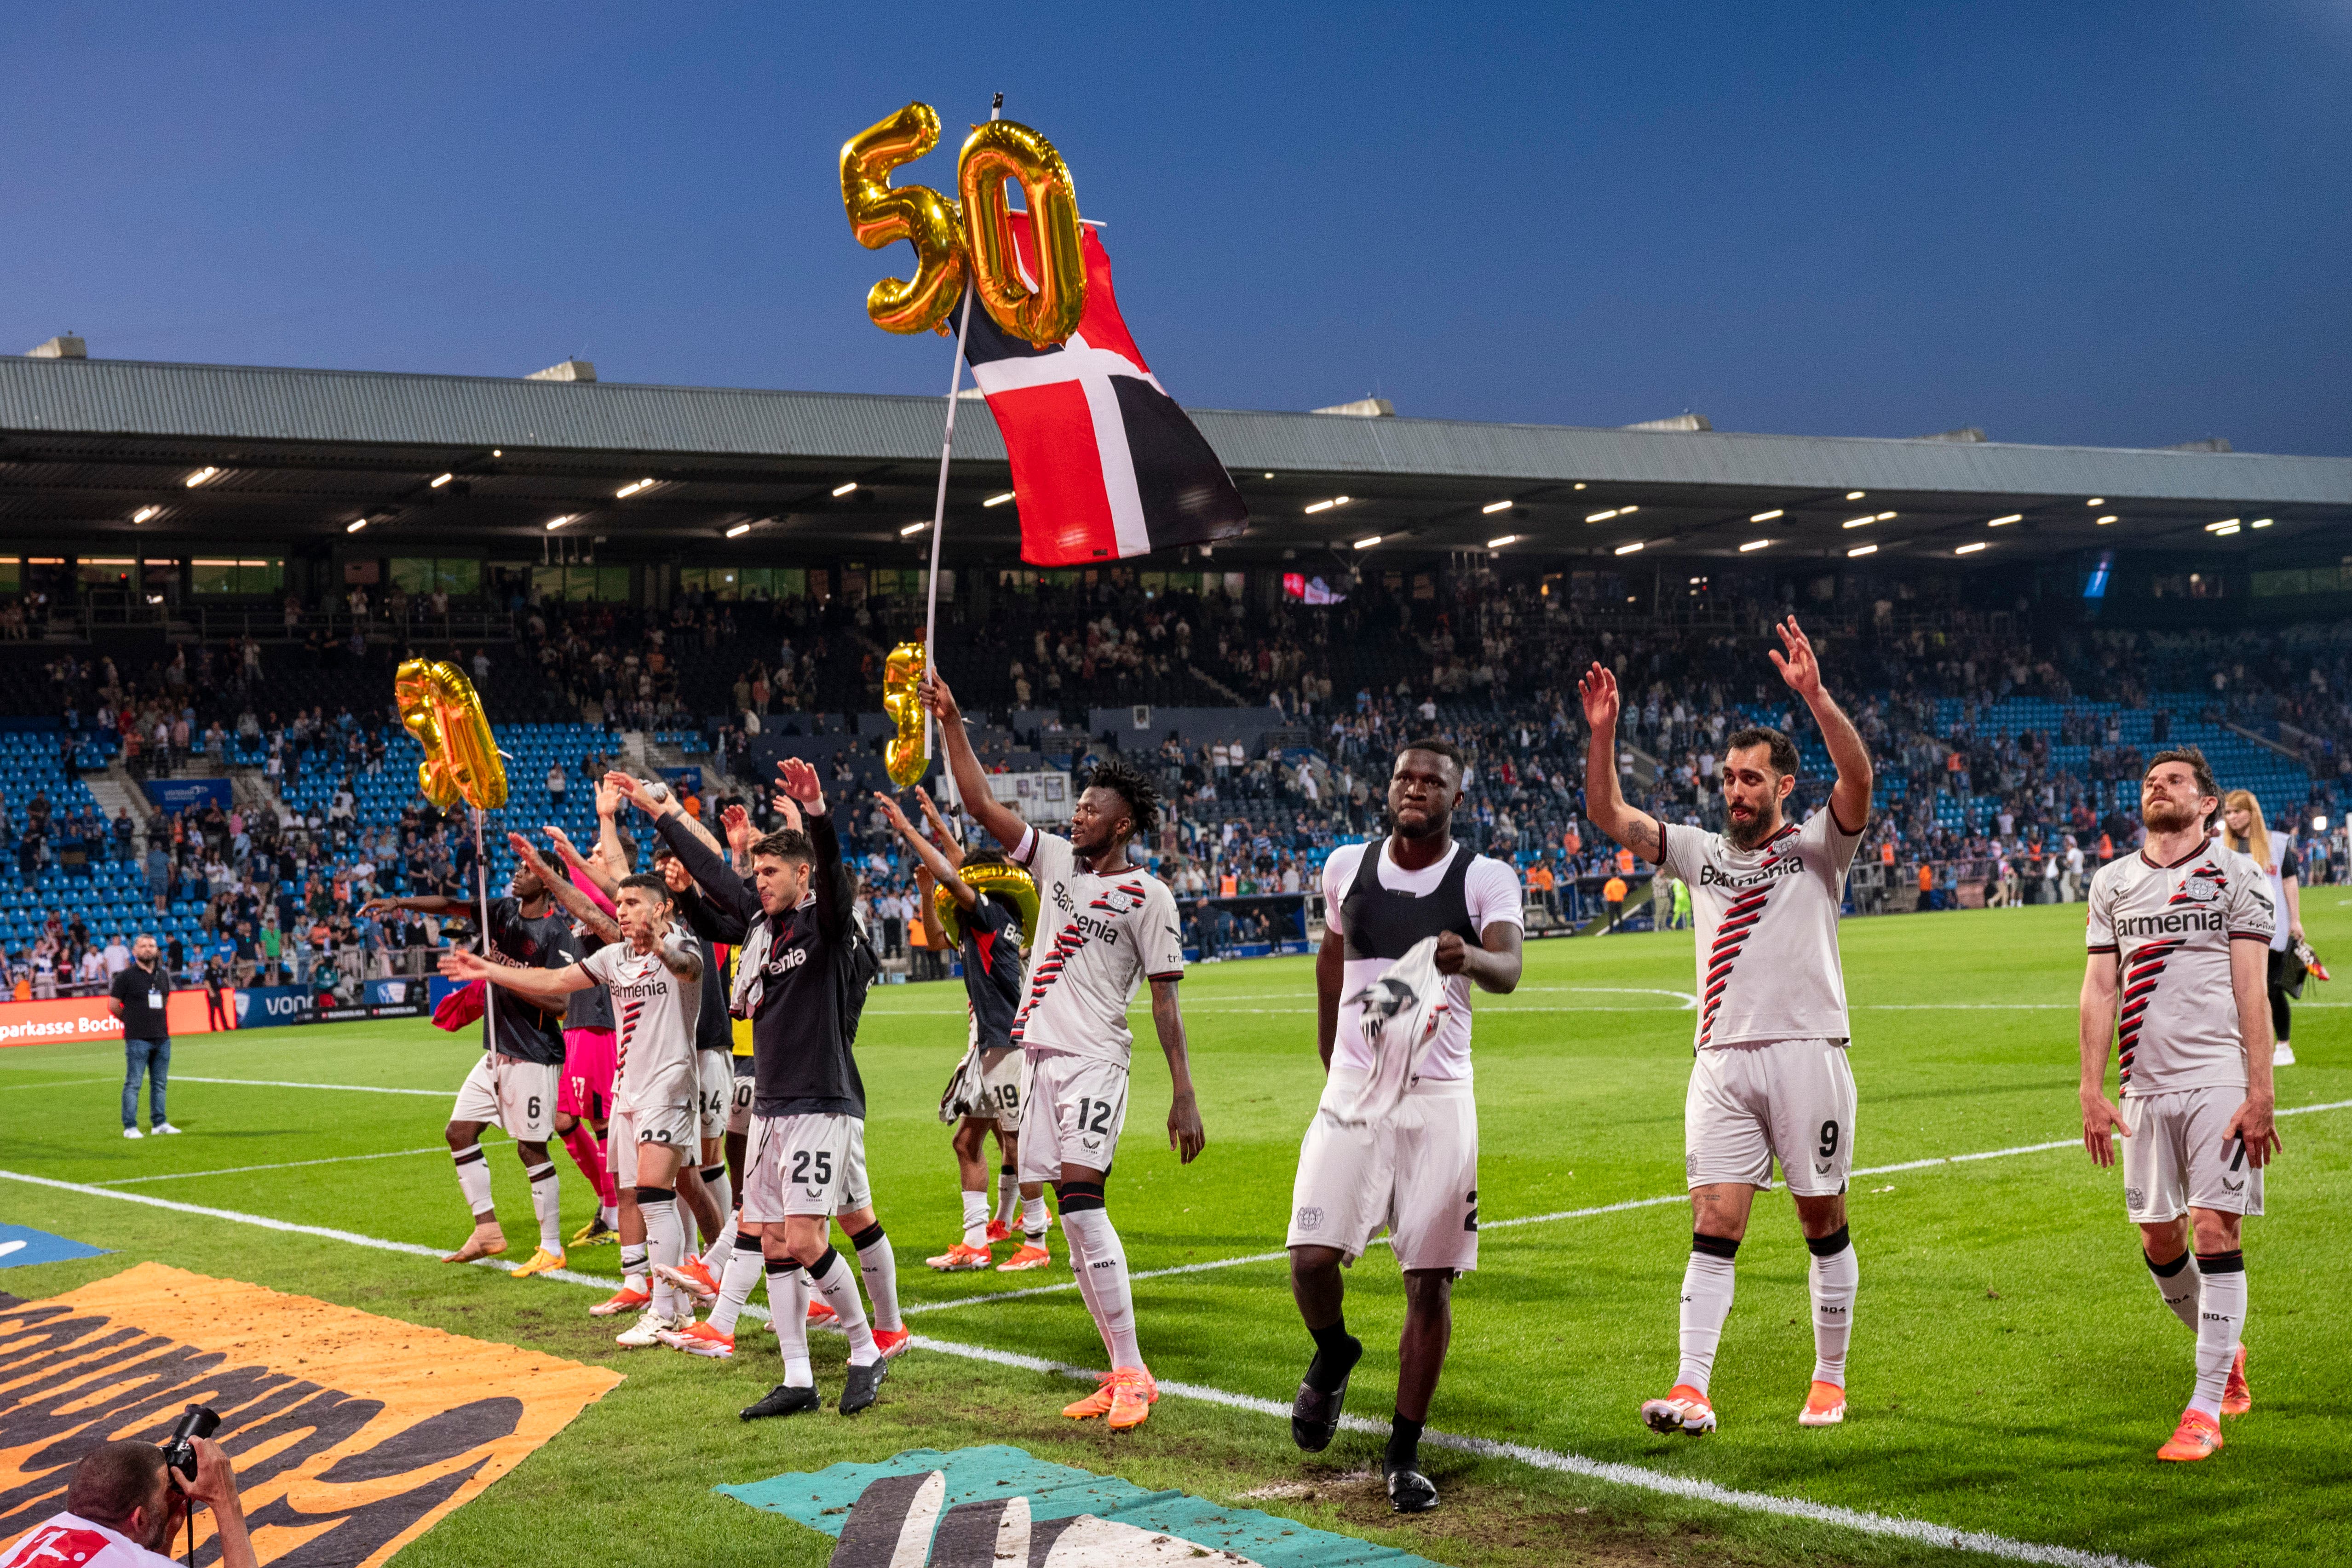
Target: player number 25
824 1158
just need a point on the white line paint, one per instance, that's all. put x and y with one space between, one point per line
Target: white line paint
450 1095
56 1084
281 1165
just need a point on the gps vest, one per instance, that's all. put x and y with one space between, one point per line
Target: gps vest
1384 922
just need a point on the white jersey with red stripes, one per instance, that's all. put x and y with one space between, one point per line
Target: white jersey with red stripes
1099 939
69 1541
654 1015
1768 929
2171 928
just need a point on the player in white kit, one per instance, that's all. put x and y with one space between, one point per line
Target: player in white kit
1398 1150
1113 926
654 976
2180 935
1770 1079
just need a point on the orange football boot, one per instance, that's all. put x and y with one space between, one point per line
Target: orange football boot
2237 1398
2198 1437
1683 1409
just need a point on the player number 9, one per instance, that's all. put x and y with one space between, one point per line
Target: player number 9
1829 1140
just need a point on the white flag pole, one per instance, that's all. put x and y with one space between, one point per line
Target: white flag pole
482 892
939 500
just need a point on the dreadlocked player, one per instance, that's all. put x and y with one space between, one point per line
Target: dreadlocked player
1114 926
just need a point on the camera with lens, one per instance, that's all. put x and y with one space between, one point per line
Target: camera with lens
180 1447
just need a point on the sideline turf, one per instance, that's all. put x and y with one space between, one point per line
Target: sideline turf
2012 1369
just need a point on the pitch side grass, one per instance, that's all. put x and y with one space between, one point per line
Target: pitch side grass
2012 1369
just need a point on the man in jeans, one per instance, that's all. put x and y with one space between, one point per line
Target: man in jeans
139 994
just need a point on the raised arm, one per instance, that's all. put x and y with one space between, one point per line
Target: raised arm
593 867
928 854
2100 1114
608 827
679 955
941 834
544 989
419 903
1004 824
798 785
560 887
1184 1134
1604 802
1850 800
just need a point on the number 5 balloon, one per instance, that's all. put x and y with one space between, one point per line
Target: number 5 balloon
992 153
881 213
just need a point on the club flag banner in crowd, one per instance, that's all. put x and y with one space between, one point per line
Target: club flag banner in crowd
352 1434
1105 464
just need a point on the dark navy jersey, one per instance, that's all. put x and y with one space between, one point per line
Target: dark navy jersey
992 971
525 1032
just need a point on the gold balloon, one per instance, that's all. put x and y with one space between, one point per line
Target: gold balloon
992 153
903 756
439 707
881 214
1003 877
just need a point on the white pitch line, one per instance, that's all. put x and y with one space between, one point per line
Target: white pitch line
275 1083
57 1083
281 1165
1918 1530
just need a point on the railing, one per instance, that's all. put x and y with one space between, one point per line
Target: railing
221 624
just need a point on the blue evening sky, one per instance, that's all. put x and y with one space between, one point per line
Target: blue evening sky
2106 224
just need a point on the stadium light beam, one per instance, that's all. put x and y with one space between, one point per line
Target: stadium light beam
1491 508
1633 549
626 491
2096 501
444 479
1859 522
1369 542
1753 545
2259 523
841 490
2230 523
998 500
1971 548
1860 551
201 477
1499 542
911 529
1601 516
2004 522
1326 505
2106 520
1855 495
1766 516
144 513
555 523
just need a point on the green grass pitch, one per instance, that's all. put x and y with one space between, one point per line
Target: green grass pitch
2012 1369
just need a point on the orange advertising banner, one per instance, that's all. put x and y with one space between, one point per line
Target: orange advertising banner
69 1018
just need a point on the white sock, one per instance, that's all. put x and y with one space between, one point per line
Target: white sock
788 1299
721 1248
665 1243
1085 1280
474 1180
1835 1274
975 1220
633 1265
1008 1193
1106 1267
1707 1301
1033 1219
713 1256
2177 1283
2221 1323
742 1271
879 1263
547 1203
610 1214
830 1275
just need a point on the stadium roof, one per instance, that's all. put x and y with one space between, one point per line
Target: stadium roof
87 446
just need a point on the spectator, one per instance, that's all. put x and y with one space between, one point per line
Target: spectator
124 1505
1612 895
140 1002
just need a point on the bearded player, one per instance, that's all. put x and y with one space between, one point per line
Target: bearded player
2182 931
1410 1163
1770 1079
515 1085
655 973
1115 927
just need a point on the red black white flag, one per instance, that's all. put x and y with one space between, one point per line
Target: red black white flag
1104 465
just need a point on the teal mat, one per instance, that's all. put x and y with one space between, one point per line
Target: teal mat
985 1475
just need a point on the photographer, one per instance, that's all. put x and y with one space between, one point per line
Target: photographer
125 1505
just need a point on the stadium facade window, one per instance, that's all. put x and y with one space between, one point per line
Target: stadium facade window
1021 581
12 574
221 576
582 584
2296 579
458 577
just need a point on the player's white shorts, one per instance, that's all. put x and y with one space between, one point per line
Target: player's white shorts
806 1165
1413 1172
2176 1158
715 1088
519 1096
988 1086
671 1124
1077 1105
1753 1101
739 1112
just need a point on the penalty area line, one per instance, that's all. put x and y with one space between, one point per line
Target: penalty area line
275 1083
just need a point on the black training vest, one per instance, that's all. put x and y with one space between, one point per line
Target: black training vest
1384 922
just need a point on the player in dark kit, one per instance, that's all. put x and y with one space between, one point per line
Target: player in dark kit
514 1084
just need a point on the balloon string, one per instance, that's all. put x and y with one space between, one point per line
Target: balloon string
940 508
482 888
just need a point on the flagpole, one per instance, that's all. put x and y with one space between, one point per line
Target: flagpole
939 500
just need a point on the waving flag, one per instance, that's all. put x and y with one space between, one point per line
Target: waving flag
1104 465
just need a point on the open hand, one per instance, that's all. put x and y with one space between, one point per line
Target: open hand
1800 668
2100 1116
798 781
1598 688
890 810
456 963
740 831
1184 1134
2251 1125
